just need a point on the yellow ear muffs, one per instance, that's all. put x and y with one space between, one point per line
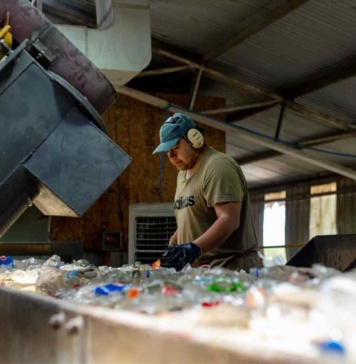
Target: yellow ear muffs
195 138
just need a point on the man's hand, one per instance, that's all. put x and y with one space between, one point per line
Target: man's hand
180 255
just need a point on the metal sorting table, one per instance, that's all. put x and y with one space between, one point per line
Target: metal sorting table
39 329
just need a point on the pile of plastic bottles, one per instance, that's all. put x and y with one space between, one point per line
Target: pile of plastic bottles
274 302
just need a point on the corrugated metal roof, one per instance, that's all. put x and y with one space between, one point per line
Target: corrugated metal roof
337 100
194 25
310 42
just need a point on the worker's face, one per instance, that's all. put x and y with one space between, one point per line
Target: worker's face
182 155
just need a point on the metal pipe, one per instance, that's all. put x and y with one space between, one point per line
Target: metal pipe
104 14
280 122
195 88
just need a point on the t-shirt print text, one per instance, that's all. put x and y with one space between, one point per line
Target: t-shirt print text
182 203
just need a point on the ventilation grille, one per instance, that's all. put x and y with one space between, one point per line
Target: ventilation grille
150 228
153 233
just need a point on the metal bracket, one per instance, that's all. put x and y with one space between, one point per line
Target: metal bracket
42 52
12 54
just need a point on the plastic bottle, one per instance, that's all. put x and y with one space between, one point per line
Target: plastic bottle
6 262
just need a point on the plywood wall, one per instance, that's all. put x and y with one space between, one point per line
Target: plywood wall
134 126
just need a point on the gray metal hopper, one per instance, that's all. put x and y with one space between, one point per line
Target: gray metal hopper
336 251
54 152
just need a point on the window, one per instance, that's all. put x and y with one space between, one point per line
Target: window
274 218
323 210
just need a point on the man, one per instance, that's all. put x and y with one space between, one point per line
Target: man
212 204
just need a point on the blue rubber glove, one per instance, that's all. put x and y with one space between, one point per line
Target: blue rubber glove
180 255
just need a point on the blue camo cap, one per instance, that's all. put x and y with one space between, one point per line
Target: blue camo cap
172 130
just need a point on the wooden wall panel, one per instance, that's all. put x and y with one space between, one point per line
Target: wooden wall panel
67 229
134 126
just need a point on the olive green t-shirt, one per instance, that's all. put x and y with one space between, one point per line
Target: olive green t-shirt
217 179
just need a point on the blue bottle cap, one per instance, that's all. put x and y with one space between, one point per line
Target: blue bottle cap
331 346
6 260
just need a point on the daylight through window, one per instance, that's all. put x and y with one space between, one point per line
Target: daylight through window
323 210
274 219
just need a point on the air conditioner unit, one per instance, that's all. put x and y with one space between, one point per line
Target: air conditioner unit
150 228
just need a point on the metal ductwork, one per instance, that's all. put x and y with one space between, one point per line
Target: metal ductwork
120 46
54 151
104 14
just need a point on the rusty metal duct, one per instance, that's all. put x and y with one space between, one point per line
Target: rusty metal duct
54 152
66 60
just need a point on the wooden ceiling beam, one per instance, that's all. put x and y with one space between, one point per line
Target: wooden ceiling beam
220 46
325 139
320 116
163 71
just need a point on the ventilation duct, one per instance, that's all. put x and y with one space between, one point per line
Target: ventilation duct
121 46
104 14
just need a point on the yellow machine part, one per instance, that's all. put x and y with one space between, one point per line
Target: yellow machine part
7 38
6 35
